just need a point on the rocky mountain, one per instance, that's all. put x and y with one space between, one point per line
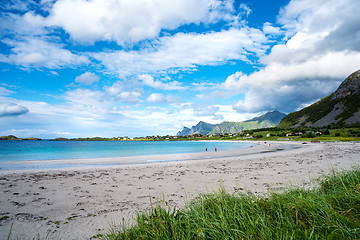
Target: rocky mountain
269 119
341 108
272 117
201 128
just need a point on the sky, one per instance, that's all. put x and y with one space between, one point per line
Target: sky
86 68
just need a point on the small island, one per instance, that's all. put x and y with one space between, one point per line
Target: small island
12 137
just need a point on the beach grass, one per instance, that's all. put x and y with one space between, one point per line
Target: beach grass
331 210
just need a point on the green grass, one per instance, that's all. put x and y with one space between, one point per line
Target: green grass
338 134
4 218
329 211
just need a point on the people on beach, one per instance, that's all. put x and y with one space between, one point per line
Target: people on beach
215 149
205 149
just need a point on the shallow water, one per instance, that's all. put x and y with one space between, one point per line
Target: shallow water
14 151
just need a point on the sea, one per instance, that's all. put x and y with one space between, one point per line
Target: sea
30 150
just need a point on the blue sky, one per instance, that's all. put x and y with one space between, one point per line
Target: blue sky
77 68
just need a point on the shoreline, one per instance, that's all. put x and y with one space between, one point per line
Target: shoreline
78 203
84 163
88 162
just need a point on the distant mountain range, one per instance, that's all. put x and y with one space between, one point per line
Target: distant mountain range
341 108
269 119
200 128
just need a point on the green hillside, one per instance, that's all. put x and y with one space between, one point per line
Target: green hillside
267 120
235 127
340 108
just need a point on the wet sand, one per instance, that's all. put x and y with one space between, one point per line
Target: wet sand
78 203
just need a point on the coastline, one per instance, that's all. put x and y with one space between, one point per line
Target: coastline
119 158
78 203
83 163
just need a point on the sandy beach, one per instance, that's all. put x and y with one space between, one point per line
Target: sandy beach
78 203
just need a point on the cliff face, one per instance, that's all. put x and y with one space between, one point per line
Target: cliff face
200 128
341 108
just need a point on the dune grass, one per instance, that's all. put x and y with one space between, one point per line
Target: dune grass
329 211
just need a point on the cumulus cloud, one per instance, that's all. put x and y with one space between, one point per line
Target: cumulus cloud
115 89
161 98
286 87
91 99
38 53
36 45
32 43
149 81
186 51
314 21
12 109
305 68
130 21
129 97
269 29
87 78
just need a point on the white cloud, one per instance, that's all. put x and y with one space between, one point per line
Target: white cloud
186 51
130 21
87 78
38 53
149 81
268 28
156 98
17 5
129 97
12 109
18 25
4 91
338 20
93 101
307 67
32 43
245 8
205 110
286 87
160 98
115 89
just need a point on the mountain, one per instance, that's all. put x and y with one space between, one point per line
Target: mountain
341 108
200 128
272 117
269 119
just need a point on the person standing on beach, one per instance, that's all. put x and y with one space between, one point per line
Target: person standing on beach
215 149
205 149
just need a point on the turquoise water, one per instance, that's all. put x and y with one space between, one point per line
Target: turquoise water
51 150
